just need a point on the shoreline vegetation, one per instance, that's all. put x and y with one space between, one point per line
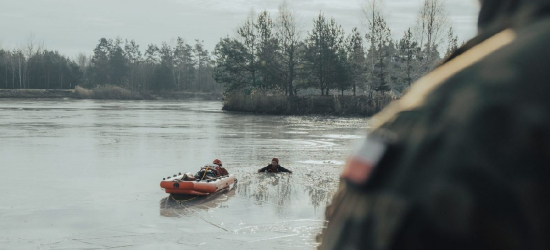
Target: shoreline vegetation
340 105
367 70
107 92
256 103
269 54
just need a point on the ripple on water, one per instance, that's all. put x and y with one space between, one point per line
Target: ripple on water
336 136
326 162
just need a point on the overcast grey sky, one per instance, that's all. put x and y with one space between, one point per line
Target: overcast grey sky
73 26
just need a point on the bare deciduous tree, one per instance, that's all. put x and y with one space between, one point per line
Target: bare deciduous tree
289 36
372 9
432 23
248 35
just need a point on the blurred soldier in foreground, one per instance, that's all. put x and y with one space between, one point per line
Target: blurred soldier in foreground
463 160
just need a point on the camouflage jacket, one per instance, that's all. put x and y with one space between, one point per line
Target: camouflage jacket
467 159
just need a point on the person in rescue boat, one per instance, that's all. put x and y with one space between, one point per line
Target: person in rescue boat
221 171
274 167
213 171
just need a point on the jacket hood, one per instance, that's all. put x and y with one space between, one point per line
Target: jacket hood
498 15
494 12
509 13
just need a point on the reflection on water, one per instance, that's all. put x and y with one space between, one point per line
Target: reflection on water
182 205
282 189
275 189
320 189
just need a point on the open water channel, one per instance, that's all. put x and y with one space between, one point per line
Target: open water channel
84 174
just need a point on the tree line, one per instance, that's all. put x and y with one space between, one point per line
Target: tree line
36 68
117 62
181 67
272 54
269 53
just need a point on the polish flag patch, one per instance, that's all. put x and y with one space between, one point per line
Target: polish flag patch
360 165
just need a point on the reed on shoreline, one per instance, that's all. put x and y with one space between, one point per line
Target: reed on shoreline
304 105
36 93
106 92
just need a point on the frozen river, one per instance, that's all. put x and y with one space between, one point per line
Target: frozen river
83 174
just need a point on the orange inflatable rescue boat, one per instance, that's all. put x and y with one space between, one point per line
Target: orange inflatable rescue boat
175 185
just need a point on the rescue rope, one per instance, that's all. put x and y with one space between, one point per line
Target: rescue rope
205 172
179 201
193 213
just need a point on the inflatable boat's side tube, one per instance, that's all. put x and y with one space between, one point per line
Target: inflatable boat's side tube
184 185
197 188
205 187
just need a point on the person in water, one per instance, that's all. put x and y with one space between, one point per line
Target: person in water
274 167
210 171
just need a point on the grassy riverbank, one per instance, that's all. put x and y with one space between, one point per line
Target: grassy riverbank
107 92
304 105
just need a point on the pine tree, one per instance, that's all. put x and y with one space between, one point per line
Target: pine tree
133 54
323 47
185 62
379 52
202 57
118 63
249 36
342 74
268 53
357 60
231 67
164 73
100 62
452 43
151 60
408 58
